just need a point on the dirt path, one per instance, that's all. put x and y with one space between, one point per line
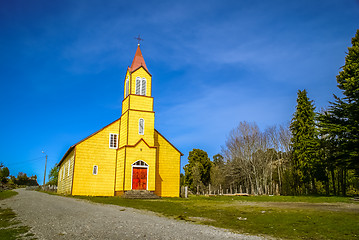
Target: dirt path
56 217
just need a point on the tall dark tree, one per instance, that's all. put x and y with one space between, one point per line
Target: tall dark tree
198 168
340 124
304 143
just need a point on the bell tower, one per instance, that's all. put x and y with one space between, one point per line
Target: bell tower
137 105
137 130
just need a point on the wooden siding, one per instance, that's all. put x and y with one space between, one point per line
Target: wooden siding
125 104
123 130
142 74
141 152
95 151
64 181
168 168
133 136
120 169
139 103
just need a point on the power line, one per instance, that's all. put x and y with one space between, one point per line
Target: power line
22 162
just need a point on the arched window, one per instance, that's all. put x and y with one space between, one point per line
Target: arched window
127 86
138 86
141 126
140 163
141 86
95 170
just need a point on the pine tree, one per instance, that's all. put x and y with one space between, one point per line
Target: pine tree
304 143
340 124
345 111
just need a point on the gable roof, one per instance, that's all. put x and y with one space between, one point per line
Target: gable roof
138 61
168 142
73 146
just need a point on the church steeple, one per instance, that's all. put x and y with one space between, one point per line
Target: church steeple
138 60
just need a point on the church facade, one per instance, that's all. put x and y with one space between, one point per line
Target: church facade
127 154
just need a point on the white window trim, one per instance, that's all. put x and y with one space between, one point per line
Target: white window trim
138 86
93 168
68 168
139 120
64 172
109 141
127 86
139 166
142 91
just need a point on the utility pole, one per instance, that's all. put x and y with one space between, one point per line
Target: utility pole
45 168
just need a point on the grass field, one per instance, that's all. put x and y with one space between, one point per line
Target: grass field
9 227
278 216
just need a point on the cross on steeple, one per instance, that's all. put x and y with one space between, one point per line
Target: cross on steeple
139 39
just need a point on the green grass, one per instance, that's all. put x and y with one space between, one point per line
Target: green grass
7 194
9 227
278 221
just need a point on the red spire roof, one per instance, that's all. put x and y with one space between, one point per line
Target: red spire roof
138 60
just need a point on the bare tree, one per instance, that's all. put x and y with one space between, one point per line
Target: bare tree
255 158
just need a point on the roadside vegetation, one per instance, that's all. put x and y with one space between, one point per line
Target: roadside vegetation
288 217
10 228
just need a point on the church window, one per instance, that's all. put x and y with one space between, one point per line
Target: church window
141 126
127 86
68 169
141 86
138 86
139 163
95 170
113 140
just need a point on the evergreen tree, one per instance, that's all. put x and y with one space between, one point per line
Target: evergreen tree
339 125
304 143
344 112
198 168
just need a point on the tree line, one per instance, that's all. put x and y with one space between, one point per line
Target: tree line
9 181
318 153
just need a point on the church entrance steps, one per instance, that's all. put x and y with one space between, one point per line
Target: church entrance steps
140 194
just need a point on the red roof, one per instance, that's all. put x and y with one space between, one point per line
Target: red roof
138 60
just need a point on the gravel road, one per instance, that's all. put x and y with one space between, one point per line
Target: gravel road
56 217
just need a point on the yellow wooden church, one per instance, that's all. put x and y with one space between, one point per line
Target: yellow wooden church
129 153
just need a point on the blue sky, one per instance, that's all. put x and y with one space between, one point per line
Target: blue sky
214 64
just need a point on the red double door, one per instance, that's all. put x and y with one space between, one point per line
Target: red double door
139 178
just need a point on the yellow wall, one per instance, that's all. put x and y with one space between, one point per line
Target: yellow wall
149 123
138 102
64 182
142 74
123 129
168 168
119 169
125 104
95 151
144 153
